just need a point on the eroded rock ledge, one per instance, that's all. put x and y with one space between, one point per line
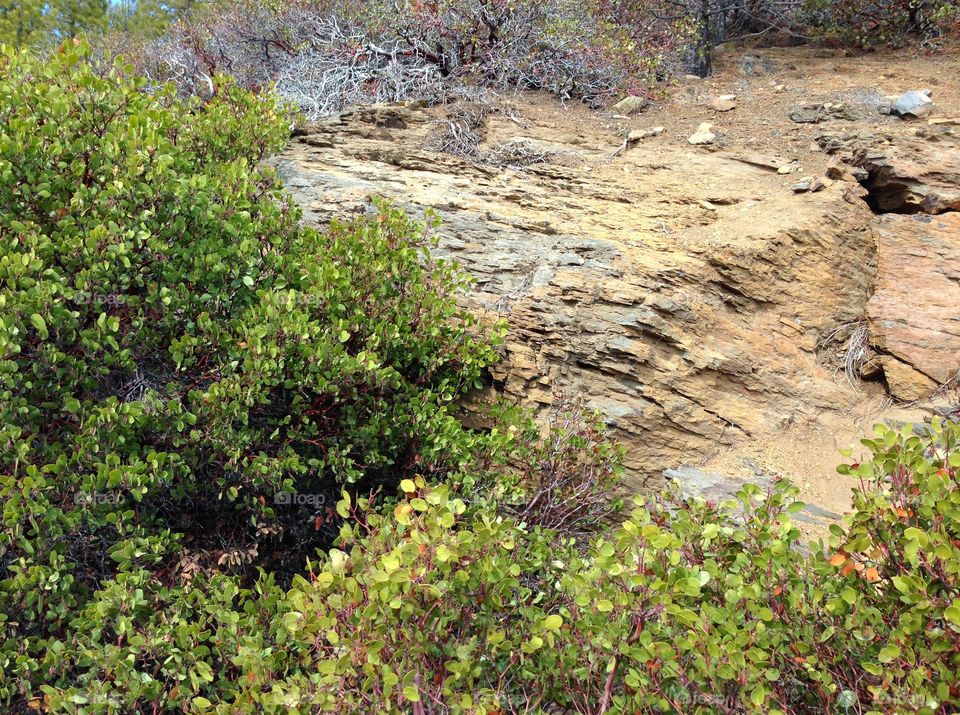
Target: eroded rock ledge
680 291
913 179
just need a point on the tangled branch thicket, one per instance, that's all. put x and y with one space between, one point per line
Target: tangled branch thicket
323 57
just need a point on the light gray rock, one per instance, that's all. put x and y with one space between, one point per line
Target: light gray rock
631 105
641 134
913 104
703 135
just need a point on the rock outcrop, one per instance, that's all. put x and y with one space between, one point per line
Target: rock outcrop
686 291
680 292
914 313
918 173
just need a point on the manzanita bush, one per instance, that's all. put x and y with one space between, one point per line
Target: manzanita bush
182 363
176 350
877 23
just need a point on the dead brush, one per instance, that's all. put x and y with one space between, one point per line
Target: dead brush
570 475
850 343
518 154
462 130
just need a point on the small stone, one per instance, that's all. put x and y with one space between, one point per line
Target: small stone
631 105
780 88
754 66
639 134
703 135
945 122
803 185
913 104
725 103
820 183
807 114
787 169
835 172
707 205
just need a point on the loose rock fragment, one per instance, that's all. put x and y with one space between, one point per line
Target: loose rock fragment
640 134
631 105
913 104
703 135
724 103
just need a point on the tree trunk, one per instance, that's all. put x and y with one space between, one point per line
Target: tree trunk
700 63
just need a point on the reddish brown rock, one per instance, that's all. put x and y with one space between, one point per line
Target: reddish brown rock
914 313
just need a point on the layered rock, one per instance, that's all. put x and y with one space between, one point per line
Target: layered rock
904 173
680 291
915 310
913 179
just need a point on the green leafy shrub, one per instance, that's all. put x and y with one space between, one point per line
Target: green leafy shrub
178 354
687 607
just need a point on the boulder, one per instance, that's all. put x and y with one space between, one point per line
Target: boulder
631 105
914 313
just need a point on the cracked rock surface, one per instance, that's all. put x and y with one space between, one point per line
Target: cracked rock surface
681 290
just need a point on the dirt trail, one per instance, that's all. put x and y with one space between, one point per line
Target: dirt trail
681 290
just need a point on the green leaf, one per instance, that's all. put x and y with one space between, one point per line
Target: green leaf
37 321
553 622
952 613
888 654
